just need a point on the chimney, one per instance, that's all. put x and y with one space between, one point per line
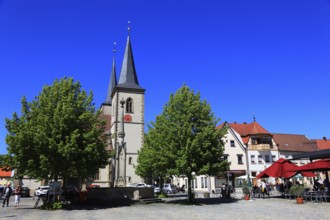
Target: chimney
325 138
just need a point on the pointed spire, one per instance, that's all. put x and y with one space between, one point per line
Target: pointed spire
128 77
113 77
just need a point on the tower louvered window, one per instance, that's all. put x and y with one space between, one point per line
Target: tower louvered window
129 105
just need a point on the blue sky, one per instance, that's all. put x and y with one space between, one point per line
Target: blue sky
270 57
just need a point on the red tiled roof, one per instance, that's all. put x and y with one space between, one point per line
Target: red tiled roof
4 173
248 129
245 140
294 142
323 144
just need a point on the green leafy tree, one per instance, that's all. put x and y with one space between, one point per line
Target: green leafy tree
183 140
58 134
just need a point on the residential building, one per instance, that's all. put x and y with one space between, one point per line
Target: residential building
259 143
293 144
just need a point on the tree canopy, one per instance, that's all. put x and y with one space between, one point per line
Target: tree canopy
58 134
183 140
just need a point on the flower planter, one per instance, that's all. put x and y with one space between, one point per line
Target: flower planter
247 197
300 200
206 195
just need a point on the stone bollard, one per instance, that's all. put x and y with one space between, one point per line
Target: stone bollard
136 195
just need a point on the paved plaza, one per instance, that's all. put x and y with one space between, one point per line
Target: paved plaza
172 208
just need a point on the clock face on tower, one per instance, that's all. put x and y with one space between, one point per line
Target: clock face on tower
127 118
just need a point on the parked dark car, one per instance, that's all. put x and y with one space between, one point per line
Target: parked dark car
91 187
70 193
25 192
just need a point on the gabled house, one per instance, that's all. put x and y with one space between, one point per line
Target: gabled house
291 144
260 146
236 153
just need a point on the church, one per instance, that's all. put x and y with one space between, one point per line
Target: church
123 111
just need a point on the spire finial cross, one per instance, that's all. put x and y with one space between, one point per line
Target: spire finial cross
114 47
129 28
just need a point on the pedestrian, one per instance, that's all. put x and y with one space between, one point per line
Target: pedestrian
326 185
18 193
263 188
6 194
223 190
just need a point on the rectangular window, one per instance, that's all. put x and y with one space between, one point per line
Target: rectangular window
225 156
202 182
192 183
267 159
130 160
97 175
205 182
260 159
253 173
253 159
273 158
232 143
240 158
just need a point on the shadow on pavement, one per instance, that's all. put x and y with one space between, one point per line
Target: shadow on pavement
94 205
203 201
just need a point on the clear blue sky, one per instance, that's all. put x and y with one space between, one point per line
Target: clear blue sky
269 57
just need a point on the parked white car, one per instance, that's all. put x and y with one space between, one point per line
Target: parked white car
139 185
41 191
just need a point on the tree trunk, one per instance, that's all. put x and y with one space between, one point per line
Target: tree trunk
191 195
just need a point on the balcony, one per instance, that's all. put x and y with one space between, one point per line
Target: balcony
260 147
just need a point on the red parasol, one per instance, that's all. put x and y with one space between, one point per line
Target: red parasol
318 165
282 168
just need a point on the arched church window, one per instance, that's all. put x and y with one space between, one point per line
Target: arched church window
129 105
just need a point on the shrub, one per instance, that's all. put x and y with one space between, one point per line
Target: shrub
297 190
245 188
51 205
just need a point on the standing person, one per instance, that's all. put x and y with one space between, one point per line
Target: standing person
6 194
263 188
18 193
223 190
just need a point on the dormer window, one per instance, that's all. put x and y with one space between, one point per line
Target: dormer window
129 105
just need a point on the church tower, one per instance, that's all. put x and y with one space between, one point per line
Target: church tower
124 106
128 117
